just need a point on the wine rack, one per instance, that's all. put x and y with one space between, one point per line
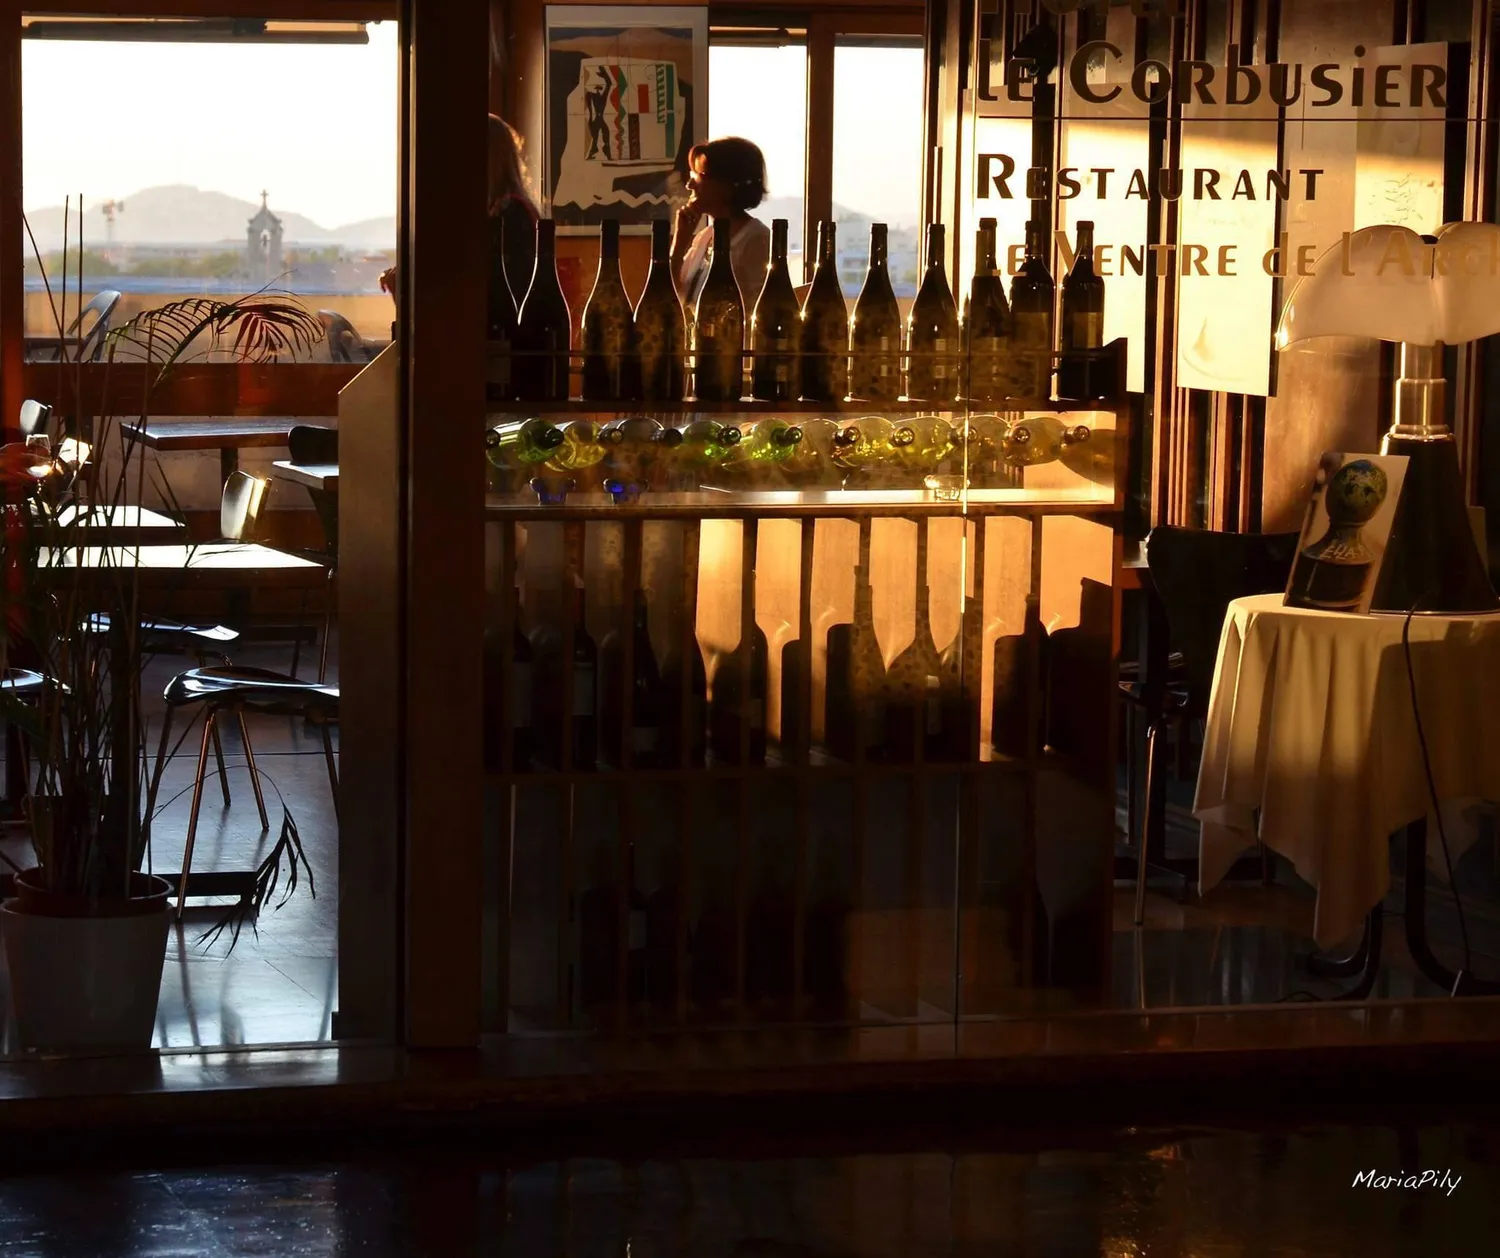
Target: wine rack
678 878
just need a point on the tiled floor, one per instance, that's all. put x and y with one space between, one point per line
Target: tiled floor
1285 1192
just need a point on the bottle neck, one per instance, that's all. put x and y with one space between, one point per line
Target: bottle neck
1086 242
879 248
609 242
935 245
1036 243
984 253
778 242
546 238
661 243
827 245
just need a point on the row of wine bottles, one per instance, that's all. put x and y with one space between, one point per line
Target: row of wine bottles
637 454
917 709
777 350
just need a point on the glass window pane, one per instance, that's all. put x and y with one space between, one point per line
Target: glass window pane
739 103
877 158
169 199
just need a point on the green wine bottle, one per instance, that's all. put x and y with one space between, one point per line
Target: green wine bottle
775 328
875 330
521 442
719 326
932 342
1032 296
825 327
611 355
660 330
987 363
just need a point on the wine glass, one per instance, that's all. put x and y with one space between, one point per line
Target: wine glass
39 447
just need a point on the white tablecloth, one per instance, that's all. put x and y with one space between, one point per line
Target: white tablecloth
1310 726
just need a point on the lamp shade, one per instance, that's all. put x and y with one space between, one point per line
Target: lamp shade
1390 284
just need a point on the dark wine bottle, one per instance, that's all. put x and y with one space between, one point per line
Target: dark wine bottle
500 326
854 698
661 333
914 684
508 705
584 728
932 345
1080 375
719 326
643 737
875 330
544 335
986 324
738 701
775 329
611 359
1032 296
825 326
685 715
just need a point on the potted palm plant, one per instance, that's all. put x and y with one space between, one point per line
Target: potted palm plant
85 935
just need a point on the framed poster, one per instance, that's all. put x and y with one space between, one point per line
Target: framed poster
626 98
1345 531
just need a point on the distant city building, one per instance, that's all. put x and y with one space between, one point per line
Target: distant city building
263 244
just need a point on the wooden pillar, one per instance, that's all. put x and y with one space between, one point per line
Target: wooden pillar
818 205
445 97
12 249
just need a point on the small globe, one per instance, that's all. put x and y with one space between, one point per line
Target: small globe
1355 493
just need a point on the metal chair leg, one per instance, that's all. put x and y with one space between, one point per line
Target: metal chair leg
260 802
333 773
327 629
156 770
209 722
297 634
1132 808
1153 732
219 760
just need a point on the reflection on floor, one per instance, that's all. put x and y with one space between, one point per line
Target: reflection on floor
278 985
1158 1193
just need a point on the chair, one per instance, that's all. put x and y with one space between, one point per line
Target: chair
86 346
36 419
345 345
1196 574
224 690
314 445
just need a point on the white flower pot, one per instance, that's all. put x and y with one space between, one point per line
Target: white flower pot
85 982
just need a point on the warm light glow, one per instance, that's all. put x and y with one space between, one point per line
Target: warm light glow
73 452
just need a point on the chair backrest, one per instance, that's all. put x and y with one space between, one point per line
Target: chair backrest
239 509
345 345
308 443
1197 574
91 342
36 417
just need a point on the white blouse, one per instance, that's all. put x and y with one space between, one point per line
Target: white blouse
749 254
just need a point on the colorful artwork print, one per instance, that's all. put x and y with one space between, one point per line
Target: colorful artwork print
622 85
1345 532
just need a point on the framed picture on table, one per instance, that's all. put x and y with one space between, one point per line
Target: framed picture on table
1345 531
626 99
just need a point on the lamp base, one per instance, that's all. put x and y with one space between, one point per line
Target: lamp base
1431 558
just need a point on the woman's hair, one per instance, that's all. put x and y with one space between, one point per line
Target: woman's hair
737 162
508 175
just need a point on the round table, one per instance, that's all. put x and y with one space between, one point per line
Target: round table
1311 746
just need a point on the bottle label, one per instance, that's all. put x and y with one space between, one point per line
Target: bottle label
783 373
940 345
644 739
1088 330
637 929
520 695
583 691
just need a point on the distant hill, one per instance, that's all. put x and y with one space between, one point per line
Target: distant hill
179 214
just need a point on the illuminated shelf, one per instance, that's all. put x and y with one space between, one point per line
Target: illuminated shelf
753 409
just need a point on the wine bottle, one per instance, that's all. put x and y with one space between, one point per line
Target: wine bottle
508 707
684 724
719 326
825 326
866 451
584 444
1079 374
520 443
875 330
584 723
812 461
738 700
923 444
986 324
1040 439
932 343
914 711
767 441
639 451
500 330
661 333
643 737
611 356
1032 296
854 712
775 328
706 442
544 335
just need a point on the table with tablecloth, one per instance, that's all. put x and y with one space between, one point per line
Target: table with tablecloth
1311 746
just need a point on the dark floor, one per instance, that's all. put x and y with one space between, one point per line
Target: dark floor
1134 1194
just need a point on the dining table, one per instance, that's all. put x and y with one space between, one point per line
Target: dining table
228 435
312 475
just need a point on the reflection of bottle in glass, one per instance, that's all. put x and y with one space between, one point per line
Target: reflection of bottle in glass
719 326
825 326
660 331
611 357
684 715
987 324
914 689
583 705
738 701
1032 295
854 713
520 443
932 344
1078 372
875 330
510 706
1040 439
775 328
500 327
544 334
644 735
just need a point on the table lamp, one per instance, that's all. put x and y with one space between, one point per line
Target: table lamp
1422 292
